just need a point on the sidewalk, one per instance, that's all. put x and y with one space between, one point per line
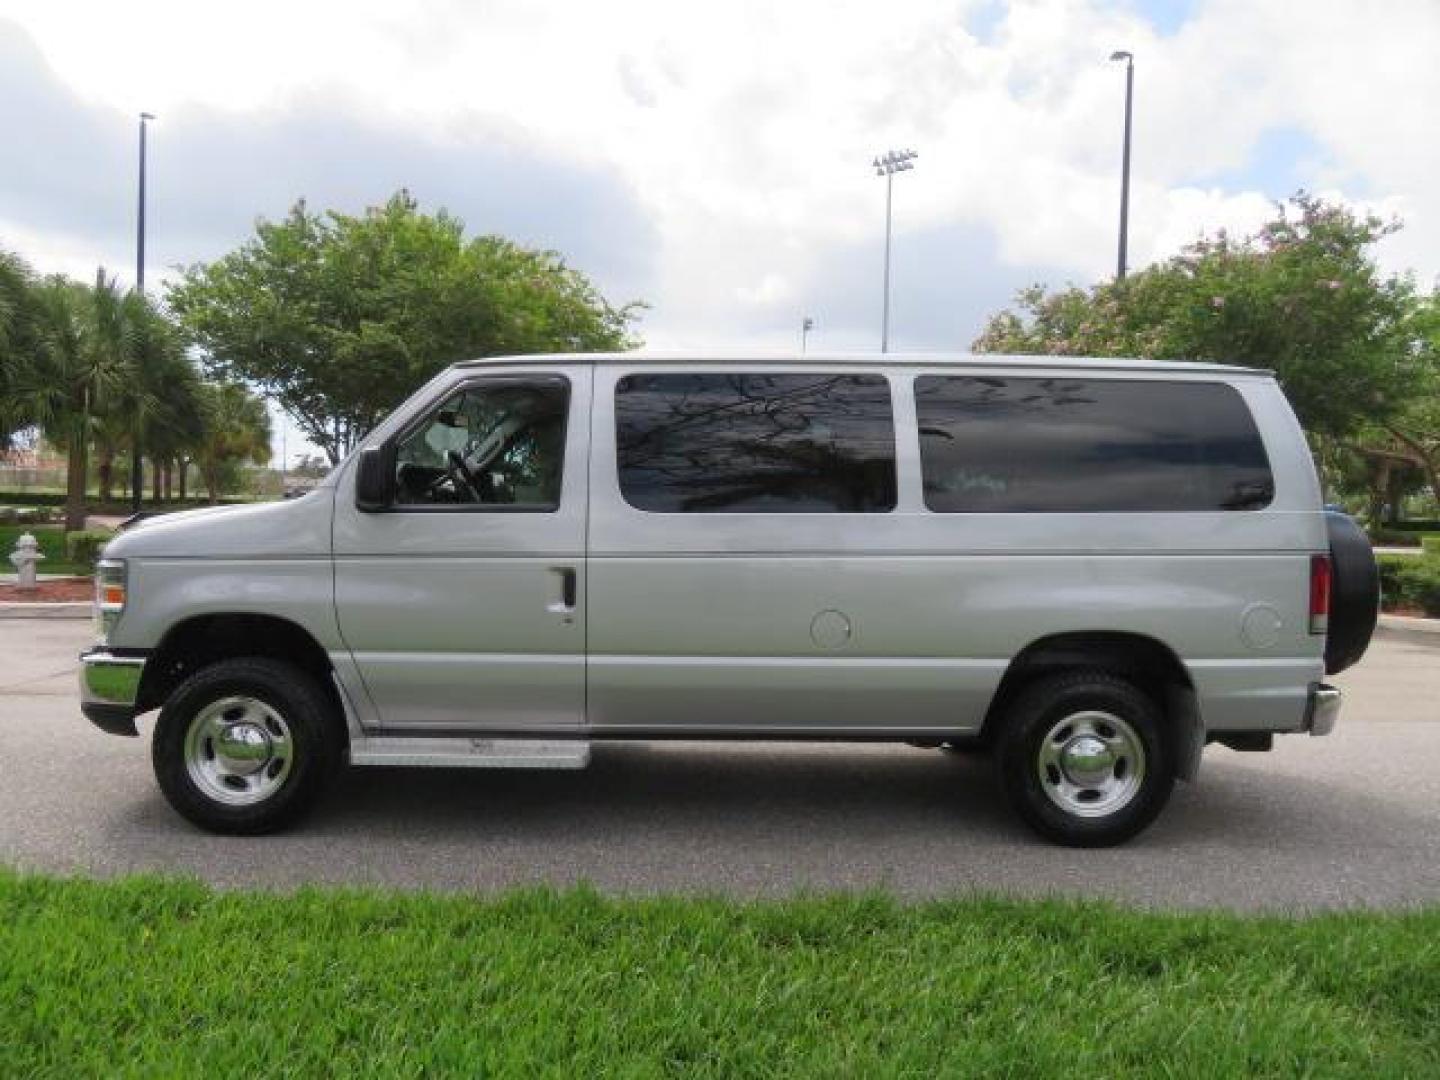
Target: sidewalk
1410 624
80 609
105 521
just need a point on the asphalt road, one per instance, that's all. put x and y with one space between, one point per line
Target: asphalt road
1349 820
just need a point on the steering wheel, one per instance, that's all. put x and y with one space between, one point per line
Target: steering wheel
465 481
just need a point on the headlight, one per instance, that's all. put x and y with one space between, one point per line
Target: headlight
109 595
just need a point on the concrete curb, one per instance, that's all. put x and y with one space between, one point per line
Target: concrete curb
1410 624
79 609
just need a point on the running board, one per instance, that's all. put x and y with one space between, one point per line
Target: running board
466 752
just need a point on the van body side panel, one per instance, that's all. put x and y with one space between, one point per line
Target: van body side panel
457 618
724 621
931 635
263 559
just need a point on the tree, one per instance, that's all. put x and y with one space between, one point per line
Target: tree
1408 436
311 467
235 428
75 371
339 318
166 402
1302 297
19 344
157 396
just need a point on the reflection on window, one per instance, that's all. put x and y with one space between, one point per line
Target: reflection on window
991 444
499 443
756 443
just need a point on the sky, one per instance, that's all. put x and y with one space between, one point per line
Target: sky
714 159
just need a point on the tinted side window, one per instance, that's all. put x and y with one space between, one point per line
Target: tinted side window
756 443
1087 445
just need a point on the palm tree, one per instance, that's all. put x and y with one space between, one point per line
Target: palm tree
159 399
78 367
18 343
175 417
120 321
236 428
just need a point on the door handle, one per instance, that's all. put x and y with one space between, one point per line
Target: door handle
568 591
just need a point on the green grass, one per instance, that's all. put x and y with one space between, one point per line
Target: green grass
51 539
149 977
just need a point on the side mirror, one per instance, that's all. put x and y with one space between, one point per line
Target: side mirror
372 479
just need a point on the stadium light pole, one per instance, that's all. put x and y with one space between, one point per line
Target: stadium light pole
887 165
137 470
1121 54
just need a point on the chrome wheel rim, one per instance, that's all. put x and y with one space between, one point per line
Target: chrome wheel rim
1091 764
238 751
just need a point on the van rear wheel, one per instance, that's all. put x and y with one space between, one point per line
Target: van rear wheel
245 746
1083 758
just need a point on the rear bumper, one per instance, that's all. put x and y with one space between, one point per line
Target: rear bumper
109 688
1323 709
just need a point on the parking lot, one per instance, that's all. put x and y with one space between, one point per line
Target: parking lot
1353 819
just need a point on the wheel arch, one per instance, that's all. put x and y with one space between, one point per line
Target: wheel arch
1153 665
199 640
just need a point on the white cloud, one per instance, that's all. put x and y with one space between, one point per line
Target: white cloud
744 129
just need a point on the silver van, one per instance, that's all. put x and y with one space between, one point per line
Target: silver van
1088 569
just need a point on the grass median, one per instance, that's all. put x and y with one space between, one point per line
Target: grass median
145 976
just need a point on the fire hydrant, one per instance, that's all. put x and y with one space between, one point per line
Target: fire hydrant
26 554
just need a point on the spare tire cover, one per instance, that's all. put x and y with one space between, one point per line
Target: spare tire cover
1354 593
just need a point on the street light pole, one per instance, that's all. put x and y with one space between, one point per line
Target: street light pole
885 309
887 165
1129 59
806 325
137 471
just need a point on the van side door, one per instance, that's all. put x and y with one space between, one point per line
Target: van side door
462 600
749 571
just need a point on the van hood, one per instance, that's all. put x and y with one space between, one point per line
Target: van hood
297 528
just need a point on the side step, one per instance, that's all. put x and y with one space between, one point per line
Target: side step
469 752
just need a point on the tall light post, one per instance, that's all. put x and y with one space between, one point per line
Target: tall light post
806 325
1121 54
887 165
137 471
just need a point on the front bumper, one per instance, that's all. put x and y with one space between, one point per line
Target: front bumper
1323 709
109 688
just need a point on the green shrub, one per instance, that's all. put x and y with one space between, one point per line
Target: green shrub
1409 581
84 547
1420 585
1431 545
32 498
1390 569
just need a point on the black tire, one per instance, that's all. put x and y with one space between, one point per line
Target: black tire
1035 714
307 727
1354 593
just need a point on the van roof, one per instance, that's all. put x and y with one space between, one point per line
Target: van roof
688 356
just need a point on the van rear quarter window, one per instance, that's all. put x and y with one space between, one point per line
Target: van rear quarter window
756 443
1075 445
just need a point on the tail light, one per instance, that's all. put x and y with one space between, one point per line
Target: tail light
1320 581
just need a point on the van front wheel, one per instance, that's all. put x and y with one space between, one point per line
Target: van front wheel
1083 758
245 745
